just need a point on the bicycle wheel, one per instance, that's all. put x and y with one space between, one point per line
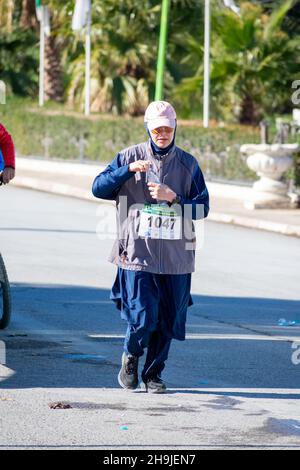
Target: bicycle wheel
5 299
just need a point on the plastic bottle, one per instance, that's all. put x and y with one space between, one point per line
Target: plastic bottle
152 177
284 322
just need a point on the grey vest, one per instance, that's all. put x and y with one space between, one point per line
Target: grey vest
154 255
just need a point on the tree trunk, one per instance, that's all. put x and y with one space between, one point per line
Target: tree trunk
28 16
250 112
53 71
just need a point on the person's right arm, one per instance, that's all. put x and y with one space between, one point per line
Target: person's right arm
108 183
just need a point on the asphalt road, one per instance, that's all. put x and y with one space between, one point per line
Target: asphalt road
232 383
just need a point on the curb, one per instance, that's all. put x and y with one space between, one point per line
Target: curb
219 217
38 165
54 188
283 229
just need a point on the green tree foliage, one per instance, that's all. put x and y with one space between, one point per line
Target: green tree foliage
254 58
18 65
253 64
125 38
18 52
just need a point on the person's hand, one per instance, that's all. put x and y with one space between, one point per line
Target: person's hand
161 192
139 165
7 175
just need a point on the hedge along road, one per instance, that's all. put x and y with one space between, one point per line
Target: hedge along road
232 383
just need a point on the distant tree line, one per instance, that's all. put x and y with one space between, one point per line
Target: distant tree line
254 57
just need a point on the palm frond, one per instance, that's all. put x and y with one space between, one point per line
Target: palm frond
277 18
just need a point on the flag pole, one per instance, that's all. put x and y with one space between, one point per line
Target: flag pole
88 63
161 60
42 59
206 64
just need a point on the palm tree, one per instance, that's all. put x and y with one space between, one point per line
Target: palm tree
54 45
252 63
123 56
28 18
124 49
53 70
6 15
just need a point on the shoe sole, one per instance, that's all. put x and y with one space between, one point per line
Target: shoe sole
155 391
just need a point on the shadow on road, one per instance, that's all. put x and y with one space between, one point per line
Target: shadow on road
72 336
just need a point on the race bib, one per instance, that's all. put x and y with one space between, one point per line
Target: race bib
159 221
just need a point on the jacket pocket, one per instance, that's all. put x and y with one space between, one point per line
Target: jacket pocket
138 252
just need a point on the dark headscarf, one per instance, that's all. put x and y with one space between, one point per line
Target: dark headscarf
157 150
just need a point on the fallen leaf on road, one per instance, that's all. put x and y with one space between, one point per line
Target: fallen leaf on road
59 405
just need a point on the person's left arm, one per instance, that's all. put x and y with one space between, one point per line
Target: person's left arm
8 152
198 198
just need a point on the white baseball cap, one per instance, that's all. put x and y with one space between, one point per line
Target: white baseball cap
159 114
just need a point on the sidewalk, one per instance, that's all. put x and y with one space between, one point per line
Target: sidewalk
226 201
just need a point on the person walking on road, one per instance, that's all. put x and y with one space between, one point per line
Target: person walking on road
159 189
7 156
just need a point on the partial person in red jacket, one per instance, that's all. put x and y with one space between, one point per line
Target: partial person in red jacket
8 152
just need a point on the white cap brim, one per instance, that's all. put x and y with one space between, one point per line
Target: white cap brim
161 122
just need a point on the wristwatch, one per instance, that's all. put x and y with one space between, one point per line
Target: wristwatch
176 200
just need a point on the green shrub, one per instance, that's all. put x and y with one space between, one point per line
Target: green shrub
43 133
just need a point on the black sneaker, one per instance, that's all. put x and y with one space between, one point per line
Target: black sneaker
154 384
128 375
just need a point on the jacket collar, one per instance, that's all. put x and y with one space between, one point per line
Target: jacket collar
165 158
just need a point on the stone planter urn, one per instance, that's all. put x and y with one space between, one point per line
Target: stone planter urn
269 161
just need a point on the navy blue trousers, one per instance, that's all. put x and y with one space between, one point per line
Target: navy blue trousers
155 308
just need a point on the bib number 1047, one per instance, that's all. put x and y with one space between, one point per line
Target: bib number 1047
160 221
166 227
